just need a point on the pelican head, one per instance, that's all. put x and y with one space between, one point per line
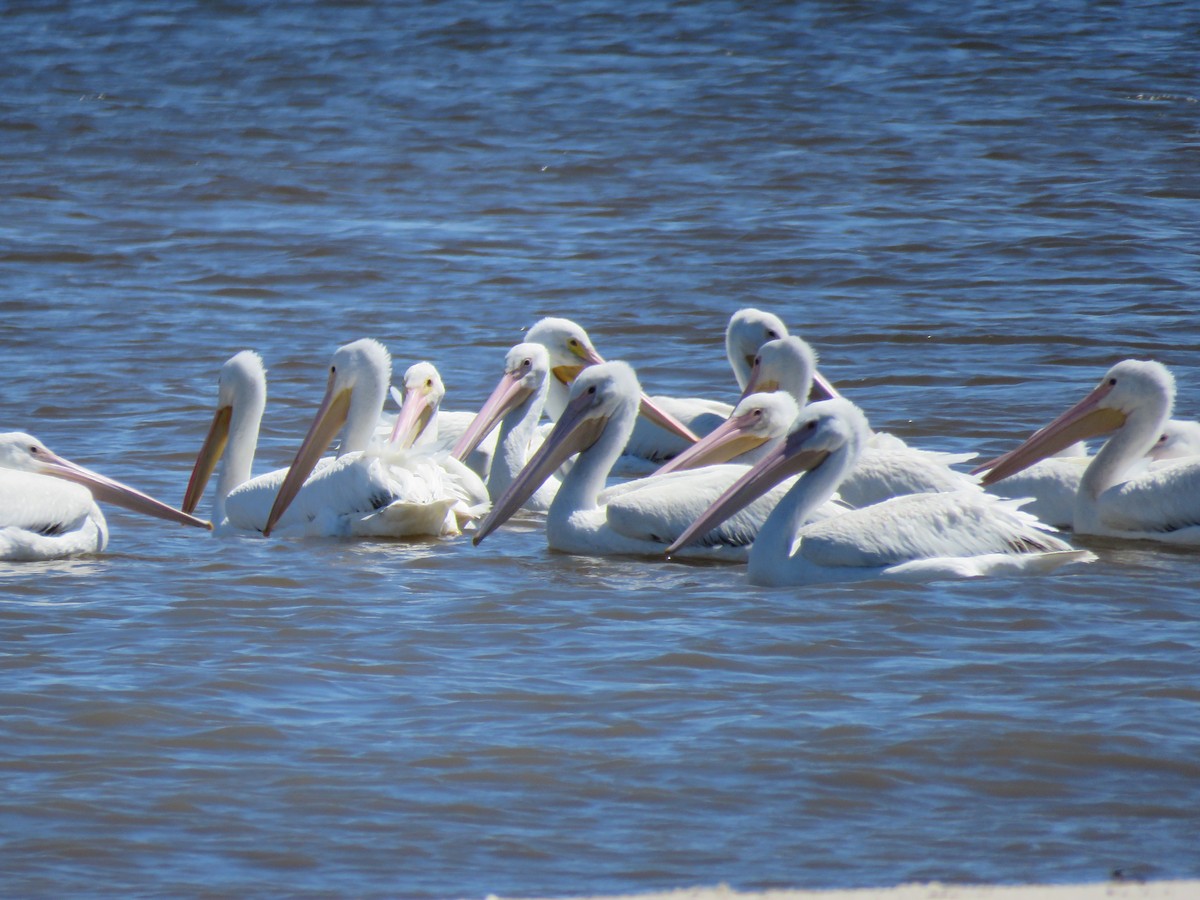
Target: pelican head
569 348
526 369
748 330
788 364
1179 439
26 453
828 429
358 380
602 394
241 392
571 351
1140 390
423 393
757 419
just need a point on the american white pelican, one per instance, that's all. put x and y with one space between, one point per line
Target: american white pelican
361 492
887 467
48 504
637 518
1117 495
1180 439
571 351
516 405
419 428
914 537
757 421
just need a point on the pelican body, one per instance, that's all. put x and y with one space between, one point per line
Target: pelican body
636 518
1118 495
914 537
48 504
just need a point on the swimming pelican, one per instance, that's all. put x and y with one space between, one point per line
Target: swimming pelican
914 537
1180 439
637 518
1117 495
571 351
358 493
418 428
516 404
48 504
887 467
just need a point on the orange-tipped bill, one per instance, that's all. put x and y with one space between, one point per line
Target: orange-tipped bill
790 457
1086 419
573 433
508 394
331 416
108 490
730 439
210 454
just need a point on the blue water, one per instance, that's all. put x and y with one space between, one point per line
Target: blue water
970 210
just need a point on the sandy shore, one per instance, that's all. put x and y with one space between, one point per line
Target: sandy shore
1102 890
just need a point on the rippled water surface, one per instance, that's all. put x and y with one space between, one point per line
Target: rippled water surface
969 209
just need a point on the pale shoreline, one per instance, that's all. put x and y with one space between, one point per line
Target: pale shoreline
1100 890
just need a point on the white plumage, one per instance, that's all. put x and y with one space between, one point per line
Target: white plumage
48 504
1118 495
917 536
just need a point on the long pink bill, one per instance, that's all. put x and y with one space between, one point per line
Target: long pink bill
415 414
108 490
573 433
1086 419
206 461
664 419
782 462
728 440
508 394
331 416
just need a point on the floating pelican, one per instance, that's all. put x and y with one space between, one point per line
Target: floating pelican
516 404
637 518
1117 495
1179 440
358 493
914 537
48 504
418 428
571 351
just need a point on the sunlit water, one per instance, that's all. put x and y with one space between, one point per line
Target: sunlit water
970 212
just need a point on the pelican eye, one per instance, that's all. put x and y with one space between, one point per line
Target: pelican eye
758 413
810 426
1112 382
428 382
526 363
772 334
592 389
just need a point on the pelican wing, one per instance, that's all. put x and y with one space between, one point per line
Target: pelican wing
1164 500
1051 485
47 518
893 472
923 526
659 509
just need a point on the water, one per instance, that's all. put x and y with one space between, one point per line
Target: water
970 210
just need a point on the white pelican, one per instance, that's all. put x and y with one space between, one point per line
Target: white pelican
758 420
48 504
1180 439
516 404
1117 495
571 351
418 428
887 467
637 518
917 536
361 492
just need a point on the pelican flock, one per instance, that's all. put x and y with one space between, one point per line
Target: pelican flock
783 474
